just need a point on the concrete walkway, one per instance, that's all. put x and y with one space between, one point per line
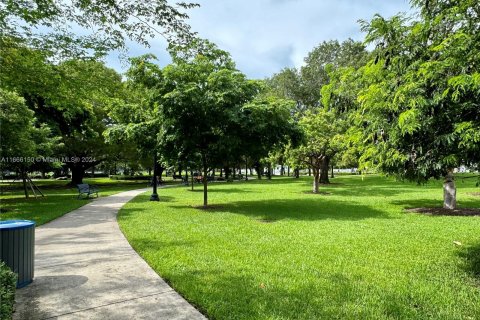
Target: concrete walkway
86 269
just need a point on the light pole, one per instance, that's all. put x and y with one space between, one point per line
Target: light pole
154 196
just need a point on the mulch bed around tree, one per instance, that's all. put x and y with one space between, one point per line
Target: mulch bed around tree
446 212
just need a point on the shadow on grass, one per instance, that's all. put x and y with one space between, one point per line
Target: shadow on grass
368 190
221 190
430 203
316 208
471 258
161 197
219 294
151 246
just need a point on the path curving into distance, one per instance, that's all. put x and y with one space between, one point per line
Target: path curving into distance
86 269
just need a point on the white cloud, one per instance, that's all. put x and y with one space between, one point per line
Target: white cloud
265 36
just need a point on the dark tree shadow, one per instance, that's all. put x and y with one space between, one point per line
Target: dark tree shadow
316 208
218 293
431 203
471 261
221 190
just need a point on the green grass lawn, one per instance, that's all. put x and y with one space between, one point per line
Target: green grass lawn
59 198
271 250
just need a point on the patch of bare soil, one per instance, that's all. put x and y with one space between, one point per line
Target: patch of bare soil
446 212
477 194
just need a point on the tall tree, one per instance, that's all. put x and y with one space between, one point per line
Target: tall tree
69 97
202 97
135 116
24 142
267 125
304 85
324 136
422 92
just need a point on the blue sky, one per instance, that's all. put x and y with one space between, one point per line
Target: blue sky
265 36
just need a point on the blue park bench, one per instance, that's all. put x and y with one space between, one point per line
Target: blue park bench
86 189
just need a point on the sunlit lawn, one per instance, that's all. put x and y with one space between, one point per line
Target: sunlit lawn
59 199
271 250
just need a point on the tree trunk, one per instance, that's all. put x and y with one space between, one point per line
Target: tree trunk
309 172
259 171
288 171
78 172
316 178
205 181
282 170
93 171
449 192
160 170
191 174
24 180
297 173
269 170
332 175
325 165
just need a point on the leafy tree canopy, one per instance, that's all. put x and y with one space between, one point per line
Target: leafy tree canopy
53 25
422 90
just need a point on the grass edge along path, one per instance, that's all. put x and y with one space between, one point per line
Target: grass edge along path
270 250
59 199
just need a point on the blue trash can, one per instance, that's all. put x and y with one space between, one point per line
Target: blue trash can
17 248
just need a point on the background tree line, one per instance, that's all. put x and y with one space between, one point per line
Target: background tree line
408 107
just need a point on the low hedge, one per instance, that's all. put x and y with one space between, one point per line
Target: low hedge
8 282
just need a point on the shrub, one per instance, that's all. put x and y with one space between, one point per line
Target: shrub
8 282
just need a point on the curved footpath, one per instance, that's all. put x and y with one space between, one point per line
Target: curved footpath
86 269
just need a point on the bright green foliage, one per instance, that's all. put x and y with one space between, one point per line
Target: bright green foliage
287 85
327 56
272 251
22 138
328 140
304 86
53 25
135 116
8 282
69 98
16 122
340 95
200 102
267 126
324 138
422 90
